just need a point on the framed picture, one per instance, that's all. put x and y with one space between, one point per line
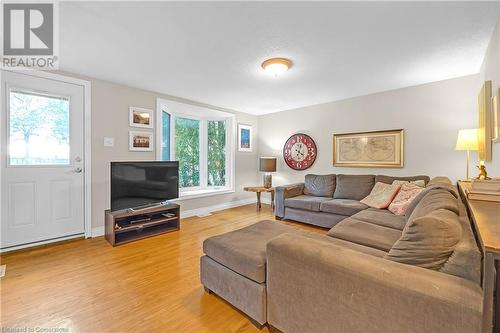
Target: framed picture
244 138
485 122
495 107
379 149
140 141
140 117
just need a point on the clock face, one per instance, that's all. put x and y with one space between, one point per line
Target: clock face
299 151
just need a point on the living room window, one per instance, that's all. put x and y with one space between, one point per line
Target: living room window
202 140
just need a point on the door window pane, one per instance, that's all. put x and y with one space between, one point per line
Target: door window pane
187 151
165 140
38 129
216 158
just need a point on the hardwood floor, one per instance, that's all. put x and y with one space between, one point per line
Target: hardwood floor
150 285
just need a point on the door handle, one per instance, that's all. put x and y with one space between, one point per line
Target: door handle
78 170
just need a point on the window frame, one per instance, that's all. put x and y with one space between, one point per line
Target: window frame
203 115
41 93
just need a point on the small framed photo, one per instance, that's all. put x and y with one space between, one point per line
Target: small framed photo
140 141
139 117
244 138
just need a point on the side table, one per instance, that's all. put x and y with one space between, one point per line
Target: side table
259 190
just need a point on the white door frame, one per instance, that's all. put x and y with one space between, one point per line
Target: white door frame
87 175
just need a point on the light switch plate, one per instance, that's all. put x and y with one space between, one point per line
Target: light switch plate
109 142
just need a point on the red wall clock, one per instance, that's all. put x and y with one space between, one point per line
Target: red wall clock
299 151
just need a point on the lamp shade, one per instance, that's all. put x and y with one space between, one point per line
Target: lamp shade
467 139
267 164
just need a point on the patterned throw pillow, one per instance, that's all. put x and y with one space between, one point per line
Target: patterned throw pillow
381 195
420 183
405 196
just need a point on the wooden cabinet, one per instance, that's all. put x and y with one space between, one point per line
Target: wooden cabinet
128 225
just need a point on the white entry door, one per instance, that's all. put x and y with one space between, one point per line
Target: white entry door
42 194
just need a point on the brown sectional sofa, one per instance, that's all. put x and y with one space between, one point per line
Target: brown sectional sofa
372 272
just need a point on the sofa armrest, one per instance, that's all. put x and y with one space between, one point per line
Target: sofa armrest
283 192
317 286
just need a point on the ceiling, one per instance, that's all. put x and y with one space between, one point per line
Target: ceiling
211 52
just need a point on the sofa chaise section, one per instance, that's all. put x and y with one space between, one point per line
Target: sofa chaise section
344 290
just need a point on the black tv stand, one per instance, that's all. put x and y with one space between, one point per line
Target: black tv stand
128 225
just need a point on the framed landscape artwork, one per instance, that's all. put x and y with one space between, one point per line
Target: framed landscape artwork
244 138
380 149
140 141
139 117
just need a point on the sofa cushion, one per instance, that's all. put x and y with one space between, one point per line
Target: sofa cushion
403 199
350 245
244 250
305 202
419 183
428 241
430 187
345 207
319 185
381 195
390 179
354 187
381 217
465 261
433 200
365 233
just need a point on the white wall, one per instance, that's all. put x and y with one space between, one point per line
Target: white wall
430 114
490 70
110 118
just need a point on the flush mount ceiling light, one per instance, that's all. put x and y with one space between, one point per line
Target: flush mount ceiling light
276 66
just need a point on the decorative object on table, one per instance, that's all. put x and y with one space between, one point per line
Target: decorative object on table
495 107
381 149
140 141
483 174
267 165
467 140
484 130
245 138
300 151
139 117
259 190
486 190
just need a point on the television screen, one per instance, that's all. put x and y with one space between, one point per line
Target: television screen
135 184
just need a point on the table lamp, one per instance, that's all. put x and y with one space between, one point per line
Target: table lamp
467 140
267 165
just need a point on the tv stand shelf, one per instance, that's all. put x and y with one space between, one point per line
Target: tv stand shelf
128 225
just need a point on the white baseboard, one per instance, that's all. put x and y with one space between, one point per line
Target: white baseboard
214 208
99 231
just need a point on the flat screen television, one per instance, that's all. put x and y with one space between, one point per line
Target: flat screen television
139 184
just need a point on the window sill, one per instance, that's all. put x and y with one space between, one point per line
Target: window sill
202 193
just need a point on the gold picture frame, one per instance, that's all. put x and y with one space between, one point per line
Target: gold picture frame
375 149
485 115
495 106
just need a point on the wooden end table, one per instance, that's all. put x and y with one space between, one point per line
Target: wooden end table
259 190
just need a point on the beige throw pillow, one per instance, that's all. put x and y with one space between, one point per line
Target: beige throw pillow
428 241
419 183
381 195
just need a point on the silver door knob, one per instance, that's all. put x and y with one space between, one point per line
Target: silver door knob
78 170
